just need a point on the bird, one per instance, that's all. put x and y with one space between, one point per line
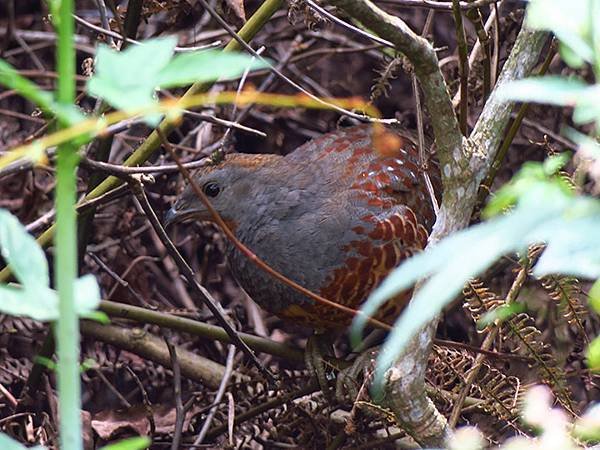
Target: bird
335 215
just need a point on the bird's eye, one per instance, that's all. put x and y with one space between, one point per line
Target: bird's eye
211 189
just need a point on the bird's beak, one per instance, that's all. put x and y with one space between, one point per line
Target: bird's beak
171 216
181 212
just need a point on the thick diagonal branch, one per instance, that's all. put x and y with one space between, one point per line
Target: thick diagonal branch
464 163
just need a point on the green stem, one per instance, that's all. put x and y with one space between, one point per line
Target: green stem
67 327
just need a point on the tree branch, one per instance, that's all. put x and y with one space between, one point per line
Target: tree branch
463 163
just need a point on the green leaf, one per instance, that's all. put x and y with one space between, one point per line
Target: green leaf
22 253
7 443
569 56
569 21
594 296
41 303
588 109
37 302
593 354
553 90
553 164
87 294
500 314
127 79
135 443
203 66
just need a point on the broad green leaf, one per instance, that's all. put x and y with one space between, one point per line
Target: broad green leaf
588 107
481 246
37 302
569 56
22 253
41 303
8 443
573 246
569 21
208 65
553 90
127 79
87 294
554 163
135 443
587 427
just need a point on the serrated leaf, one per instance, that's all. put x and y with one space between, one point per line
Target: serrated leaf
21 251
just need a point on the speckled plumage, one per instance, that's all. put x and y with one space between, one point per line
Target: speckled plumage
335 216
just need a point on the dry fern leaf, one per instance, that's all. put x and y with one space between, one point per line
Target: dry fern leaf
479 299
521 332
386 73
566 291
499 392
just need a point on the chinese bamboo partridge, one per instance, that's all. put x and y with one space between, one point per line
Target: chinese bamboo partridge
335 215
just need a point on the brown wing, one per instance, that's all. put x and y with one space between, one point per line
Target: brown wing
395 215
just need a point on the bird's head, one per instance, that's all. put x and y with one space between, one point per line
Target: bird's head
230 186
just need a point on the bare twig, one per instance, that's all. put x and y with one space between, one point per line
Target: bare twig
463 65
179 410
211 414
291 82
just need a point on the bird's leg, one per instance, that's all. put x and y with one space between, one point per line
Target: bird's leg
319 347
350 380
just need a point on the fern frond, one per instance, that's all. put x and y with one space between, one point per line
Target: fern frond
566 292
479 299
522 332
386 73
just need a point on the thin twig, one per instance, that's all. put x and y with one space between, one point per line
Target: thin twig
211 414
120 37
179 410
463 65
291 82
312 5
